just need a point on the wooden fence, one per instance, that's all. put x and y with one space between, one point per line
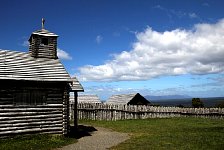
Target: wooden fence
121 112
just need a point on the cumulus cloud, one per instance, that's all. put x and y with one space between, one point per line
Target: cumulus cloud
176 52
99 39
63 54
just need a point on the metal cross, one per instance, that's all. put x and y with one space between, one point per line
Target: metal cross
43 21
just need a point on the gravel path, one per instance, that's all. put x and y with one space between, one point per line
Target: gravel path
101 139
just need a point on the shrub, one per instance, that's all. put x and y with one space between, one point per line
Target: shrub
180 105
220 105
197 103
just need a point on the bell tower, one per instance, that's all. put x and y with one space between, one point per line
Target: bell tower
43 43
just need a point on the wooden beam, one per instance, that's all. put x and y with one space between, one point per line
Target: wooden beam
75 109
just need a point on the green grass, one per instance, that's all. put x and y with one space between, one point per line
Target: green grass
173 133
35 142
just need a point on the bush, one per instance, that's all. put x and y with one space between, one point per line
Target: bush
180 105
197 103
220 105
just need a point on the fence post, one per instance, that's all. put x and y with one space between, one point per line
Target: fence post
75 110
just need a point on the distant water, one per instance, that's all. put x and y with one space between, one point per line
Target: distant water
208 102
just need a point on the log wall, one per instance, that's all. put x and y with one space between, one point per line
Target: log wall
50 117
30 119
46 51
121 112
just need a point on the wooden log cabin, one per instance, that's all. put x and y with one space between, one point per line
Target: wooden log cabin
34 88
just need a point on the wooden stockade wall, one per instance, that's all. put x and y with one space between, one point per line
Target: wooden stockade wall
121 112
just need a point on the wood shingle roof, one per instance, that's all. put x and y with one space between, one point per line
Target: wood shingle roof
124 99
44 32
21 66
75 85
120 99
87 99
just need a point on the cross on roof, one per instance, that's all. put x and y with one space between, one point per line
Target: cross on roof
43 21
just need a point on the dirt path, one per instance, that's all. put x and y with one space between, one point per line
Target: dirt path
101 139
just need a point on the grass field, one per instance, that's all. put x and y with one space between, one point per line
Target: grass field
173 133
35 142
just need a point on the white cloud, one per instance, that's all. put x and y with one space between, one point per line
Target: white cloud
176 13
193 15
99 39
154 54
63 54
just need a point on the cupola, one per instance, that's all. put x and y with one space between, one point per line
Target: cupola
43 43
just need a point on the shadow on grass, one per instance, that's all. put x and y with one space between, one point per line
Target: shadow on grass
81 131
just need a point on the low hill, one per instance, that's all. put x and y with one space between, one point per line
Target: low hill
208 102
166 97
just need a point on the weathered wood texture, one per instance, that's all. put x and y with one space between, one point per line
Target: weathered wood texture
51 116
38 50
30 119
121 112
75 85
65 122
128 99
34 88
21 66
86 99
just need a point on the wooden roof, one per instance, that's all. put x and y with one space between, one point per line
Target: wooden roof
120 99
87 99
128 99
75 85
44 32
21 66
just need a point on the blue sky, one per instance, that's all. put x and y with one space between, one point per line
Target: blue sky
155 47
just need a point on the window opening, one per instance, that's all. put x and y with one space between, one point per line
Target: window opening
30 97
44 41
